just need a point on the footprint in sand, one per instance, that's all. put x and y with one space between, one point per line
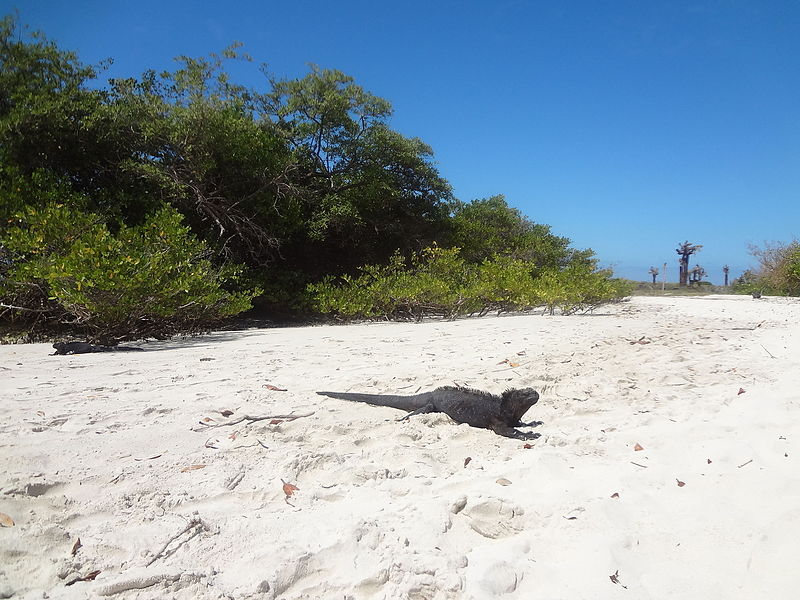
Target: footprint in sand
500 578
35 489
494 518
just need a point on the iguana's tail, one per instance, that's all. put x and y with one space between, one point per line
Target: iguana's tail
115 349
407 403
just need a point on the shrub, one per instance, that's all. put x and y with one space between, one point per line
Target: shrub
579 287
778 272
155 279
438 282
430 283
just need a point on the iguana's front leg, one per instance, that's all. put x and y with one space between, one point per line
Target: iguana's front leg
531 424
422 410
510 432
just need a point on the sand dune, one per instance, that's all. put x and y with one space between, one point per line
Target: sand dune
115 449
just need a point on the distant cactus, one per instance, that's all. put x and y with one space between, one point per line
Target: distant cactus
697 273
685 250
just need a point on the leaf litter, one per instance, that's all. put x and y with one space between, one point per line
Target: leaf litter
87 577
289 489
615 579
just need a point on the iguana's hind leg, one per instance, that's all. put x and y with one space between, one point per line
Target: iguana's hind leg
428 408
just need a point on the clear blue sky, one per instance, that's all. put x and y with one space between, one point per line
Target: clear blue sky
629 126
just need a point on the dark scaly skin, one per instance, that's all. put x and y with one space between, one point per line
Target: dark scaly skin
85 348
500 413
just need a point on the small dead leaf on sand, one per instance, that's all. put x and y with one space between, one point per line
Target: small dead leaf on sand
89 577
509 363
192 468
289 488
226 413
467 461
638 448
76 546
680 483
740 392
615 579
503 481
5 520
615 495
273 388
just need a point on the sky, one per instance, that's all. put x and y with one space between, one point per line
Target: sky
628 126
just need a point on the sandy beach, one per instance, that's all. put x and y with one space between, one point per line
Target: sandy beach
666 467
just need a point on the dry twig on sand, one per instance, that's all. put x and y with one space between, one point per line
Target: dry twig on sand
253 419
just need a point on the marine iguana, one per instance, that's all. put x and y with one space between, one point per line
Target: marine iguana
500 413
85 348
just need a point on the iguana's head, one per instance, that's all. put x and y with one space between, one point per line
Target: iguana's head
60 346
519 401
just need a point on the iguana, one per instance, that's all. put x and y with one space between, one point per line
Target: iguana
85 348
500 413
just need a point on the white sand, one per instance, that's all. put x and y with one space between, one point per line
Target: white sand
389 510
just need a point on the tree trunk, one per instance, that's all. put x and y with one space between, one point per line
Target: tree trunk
684 276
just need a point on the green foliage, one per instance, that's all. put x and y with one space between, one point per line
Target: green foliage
146 280
579 288
35 189
501 283
46 109
778 273
790 276
197 145
488 227
439 282
746 283
400 289
365 191
324 115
